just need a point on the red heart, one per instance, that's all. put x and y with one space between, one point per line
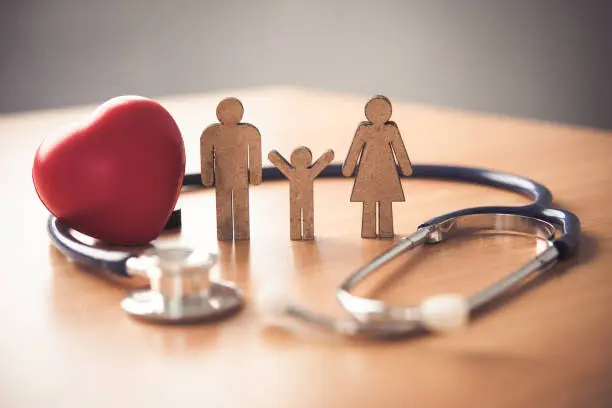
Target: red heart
117 177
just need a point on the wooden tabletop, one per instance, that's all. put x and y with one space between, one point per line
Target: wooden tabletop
65 342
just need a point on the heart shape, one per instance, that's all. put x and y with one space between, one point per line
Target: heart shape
116 177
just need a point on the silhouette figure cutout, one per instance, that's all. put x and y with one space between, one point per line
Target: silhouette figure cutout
230 154
301 175
376 146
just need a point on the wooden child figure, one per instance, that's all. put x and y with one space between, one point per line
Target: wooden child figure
376 146
301 175
230 154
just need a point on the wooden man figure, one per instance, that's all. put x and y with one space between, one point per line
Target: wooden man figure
301 174
230 154
376 146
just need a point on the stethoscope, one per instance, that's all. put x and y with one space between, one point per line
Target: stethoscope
174 284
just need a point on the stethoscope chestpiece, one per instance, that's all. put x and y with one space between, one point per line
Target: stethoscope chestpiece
181 290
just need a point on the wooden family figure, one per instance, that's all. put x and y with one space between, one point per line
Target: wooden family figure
301 174
230 154
376 146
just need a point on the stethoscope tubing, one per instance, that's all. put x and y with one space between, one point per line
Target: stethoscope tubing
540 208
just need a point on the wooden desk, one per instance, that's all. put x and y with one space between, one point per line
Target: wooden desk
65 341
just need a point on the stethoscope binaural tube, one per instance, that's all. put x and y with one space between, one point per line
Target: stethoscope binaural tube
560 229
372 318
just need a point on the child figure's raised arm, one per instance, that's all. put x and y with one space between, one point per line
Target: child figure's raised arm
280 162
321 163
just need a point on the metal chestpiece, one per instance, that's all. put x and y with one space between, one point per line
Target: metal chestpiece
180 287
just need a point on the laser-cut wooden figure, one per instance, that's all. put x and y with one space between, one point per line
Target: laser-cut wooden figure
301 174
230 155
376 146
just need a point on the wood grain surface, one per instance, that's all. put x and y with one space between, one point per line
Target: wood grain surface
65 341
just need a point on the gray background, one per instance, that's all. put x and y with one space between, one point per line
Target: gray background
549 60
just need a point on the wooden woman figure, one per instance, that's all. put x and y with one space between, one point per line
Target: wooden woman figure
376 146
301 174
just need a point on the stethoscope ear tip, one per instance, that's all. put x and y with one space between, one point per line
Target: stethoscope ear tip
445 312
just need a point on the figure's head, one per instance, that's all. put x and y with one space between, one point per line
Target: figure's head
301 157
378 110
229 111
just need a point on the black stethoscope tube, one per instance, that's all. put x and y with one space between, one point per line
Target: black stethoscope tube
540 208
